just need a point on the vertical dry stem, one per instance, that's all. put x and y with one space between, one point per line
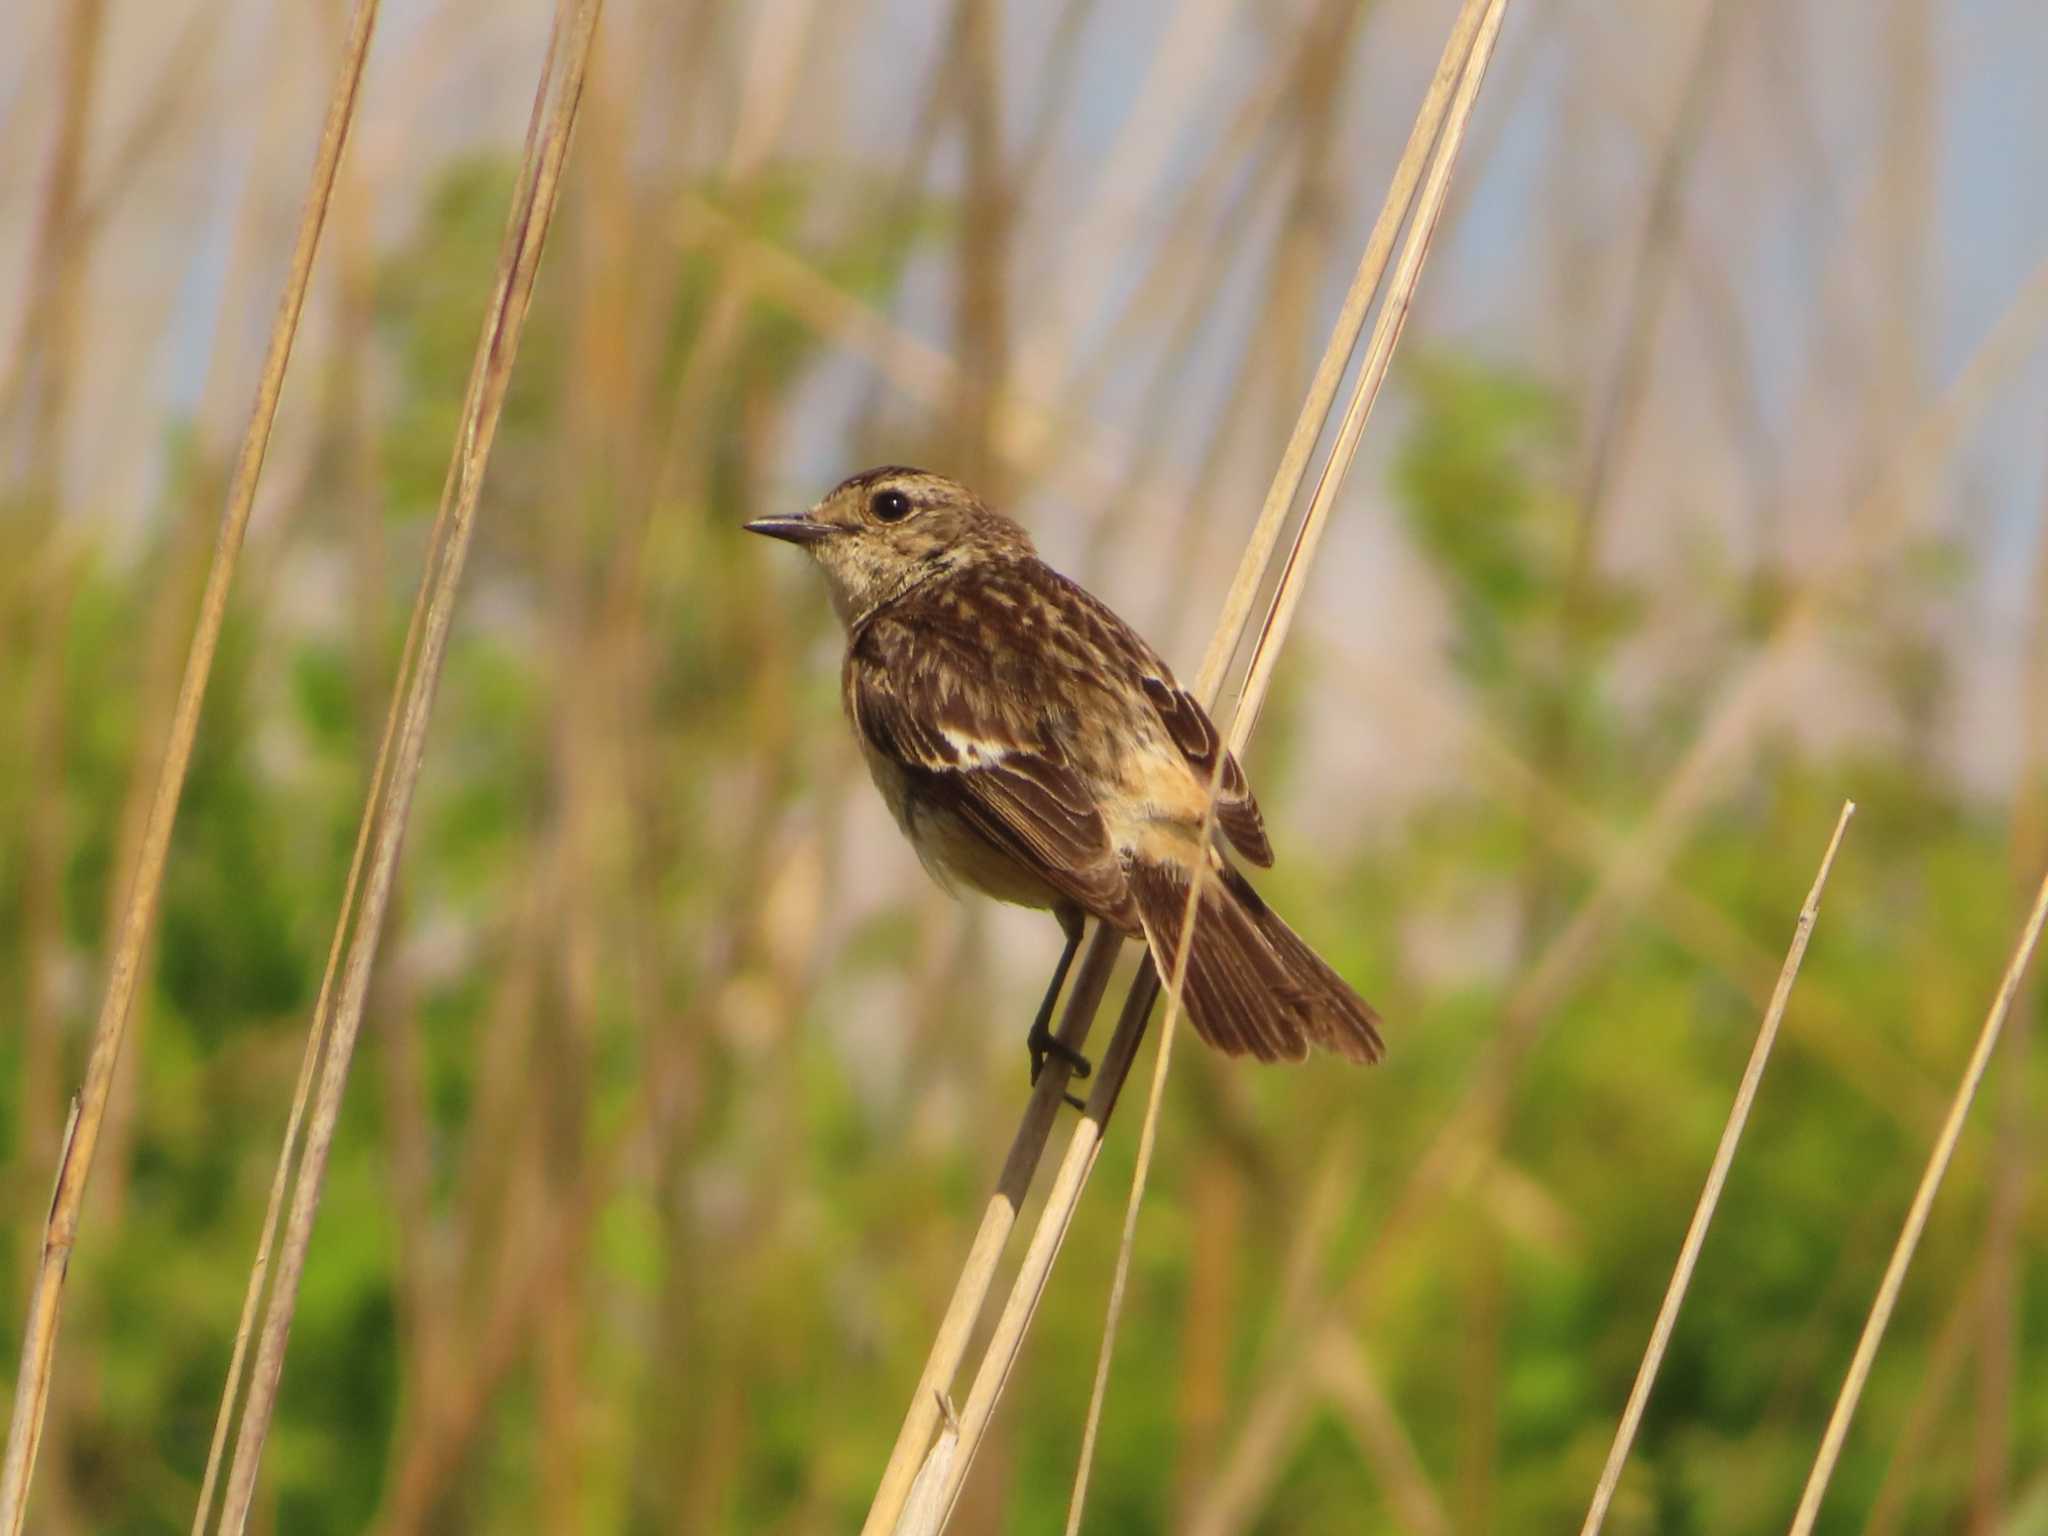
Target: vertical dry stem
1632 869
405 740
978 1274
32 1384
1710 1193
1916 1223
1468 71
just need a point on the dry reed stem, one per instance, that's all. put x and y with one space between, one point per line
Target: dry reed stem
1086 1141
990 1239
316 1036
1322 394
1730 720
978 1274
32 1384
405 739
1279 618
1710 1193
259 1270
316 1040
1916 1222
1137 1006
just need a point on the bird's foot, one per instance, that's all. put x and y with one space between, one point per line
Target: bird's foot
1042 1043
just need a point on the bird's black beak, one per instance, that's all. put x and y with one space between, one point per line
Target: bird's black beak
795 530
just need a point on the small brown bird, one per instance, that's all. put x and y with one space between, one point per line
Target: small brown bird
1032 747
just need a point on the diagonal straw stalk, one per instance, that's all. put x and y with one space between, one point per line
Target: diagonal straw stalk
403 747
1630 868
1916 1222
1273 632
1463 70
1279 618
81 1139
999 1217
1710 1194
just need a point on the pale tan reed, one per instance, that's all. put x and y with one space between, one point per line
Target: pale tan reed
402 750
1710 1193
1273 632
1916 1222
1632 869
88 1113
999 1216
1461 77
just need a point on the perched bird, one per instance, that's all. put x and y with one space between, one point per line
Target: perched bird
1032 747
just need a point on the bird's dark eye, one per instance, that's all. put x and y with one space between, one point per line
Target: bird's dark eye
889 506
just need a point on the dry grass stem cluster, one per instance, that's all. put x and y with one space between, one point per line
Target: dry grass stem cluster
1710 1192
403 747
82 1133
1415 200
1916 1221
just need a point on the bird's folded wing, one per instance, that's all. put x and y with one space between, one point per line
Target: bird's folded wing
963 754
1237 813
1186 722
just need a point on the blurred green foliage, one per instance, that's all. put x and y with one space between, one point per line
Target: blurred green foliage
754 1296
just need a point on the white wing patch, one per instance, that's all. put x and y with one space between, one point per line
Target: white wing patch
975 751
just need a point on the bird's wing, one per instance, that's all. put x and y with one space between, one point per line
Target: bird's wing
923 704
1188 724
1237 813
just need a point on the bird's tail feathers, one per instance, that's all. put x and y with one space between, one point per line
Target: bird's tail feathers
1253 987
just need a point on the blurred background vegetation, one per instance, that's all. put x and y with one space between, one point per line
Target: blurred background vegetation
1710 491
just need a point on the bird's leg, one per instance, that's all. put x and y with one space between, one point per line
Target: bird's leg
1042 1042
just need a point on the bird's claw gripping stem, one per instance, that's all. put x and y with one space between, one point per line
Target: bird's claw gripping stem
1042 1043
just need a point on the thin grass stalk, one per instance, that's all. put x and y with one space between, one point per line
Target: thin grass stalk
259 1271
1710 1194
978 1275
1086 1141
1633 869
32 1383
316 1036
1015 1320
986 1251
280 1180
1350 324
1176 986
1379 355
526 233
1916 1223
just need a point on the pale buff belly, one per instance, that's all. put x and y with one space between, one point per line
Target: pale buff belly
956 855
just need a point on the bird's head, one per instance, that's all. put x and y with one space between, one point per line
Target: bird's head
887 530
